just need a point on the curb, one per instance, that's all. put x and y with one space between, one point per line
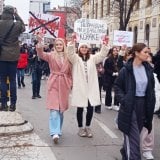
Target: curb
12 123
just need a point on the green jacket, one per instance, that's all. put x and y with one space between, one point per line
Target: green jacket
10 50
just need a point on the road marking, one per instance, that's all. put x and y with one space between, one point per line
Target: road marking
106 129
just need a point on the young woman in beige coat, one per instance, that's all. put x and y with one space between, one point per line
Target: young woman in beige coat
85 91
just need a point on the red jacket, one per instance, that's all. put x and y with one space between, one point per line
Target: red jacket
23 61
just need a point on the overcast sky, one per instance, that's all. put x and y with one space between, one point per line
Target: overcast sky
23 6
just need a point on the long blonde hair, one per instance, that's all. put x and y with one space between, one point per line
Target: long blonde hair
64 47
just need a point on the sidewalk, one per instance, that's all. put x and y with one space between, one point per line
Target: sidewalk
19 142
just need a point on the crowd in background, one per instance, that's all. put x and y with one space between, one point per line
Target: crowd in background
31 64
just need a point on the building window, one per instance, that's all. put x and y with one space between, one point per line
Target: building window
137 5
96 10
135 34
92 5
102 3
149 2
46 7
154 21
107 32
130 29
108 7
147 28
141 25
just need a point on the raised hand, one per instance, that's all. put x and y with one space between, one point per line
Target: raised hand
106 40
73 39
40 37
124 47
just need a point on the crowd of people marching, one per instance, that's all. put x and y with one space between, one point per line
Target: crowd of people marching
126 75
76 77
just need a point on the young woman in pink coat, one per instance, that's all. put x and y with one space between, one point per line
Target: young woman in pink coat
58 85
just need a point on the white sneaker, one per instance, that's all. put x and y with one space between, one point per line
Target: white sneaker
148 155
108 107
116 108
89 132
56 138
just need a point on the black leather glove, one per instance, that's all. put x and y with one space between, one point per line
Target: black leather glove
148 125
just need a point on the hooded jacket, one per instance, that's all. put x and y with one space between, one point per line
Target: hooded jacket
125 88
10 50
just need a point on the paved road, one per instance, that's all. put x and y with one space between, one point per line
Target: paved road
104 145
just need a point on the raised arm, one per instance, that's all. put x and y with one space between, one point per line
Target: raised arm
41 54
39 48
99 57
71 53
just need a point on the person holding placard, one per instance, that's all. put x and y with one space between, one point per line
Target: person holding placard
85 91
58 85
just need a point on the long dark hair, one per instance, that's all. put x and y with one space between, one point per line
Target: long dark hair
110 53
86 57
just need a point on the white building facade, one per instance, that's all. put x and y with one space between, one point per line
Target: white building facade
1 6
144 21
39 6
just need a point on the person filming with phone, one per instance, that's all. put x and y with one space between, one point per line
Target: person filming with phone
11 26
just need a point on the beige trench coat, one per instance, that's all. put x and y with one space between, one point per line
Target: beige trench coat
82 90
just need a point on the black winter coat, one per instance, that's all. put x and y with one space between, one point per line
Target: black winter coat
125 88
110 66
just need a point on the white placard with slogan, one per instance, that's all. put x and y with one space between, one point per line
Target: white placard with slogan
123 38
90 31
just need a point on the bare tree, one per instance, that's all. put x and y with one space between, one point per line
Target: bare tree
123 9
76 5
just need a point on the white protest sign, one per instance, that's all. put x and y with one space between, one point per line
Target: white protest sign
90 31
123 38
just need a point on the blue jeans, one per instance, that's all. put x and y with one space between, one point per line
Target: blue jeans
20 77
55 122
8 69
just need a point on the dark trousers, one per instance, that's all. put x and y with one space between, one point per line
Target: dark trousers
132 141
108 97
89 115
36 82
8 69
100 81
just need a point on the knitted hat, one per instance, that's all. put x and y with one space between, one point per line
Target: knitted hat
83 44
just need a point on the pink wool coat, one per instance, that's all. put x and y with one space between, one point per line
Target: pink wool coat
59 82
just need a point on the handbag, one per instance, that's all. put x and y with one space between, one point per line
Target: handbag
5 37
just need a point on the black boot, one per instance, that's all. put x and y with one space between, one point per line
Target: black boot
19 83
124 156
12 107
22 81
98 109
157 112
4 107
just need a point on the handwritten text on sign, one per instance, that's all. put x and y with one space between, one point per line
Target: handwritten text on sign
123 38
90 30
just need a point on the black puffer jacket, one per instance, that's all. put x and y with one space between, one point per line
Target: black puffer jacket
125 87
